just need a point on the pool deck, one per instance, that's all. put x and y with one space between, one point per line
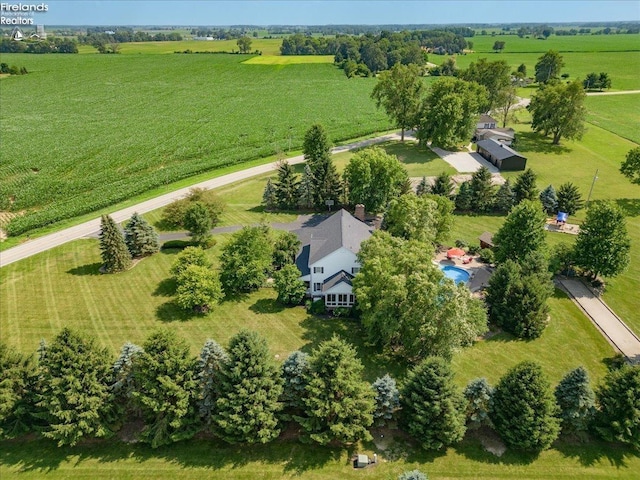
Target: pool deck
480 272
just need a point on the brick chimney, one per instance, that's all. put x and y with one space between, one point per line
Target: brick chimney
359 213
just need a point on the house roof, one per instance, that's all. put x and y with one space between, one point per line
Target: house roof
484 118
337 278
497 149
340 230
487 238
499 132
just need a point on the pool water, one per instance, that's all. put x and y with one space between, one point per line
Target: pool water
458 275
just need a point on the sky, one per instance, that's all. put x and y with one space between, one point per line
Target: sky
327 12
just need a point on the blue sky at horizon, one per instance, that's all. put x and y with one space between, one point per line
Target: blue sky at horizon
327 12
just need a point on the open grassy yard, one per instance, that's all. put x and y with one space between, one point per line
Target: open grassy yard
617 114
132 123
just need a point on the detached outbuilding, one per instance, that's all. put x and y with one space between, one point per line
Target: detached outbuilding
501 155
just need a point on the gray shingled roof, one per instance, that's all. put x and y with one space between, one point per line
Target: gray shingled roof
337 278
484 118
497 149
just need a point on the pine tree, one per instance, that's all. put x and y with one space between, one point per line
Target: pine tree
208 371
114 251
75 394
524 410
121 371
464 198
569 199
423 187
549 199
317 153
432 406
140 237
269 199
387 399
249 389
478 394
525 186
295 373
482 194
286 186
338 404
316 146
305 189
166 389
442 185
576 400
618 400
505 198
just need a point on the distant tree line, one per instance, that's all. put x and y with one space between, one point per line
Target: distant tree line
124 35
50 45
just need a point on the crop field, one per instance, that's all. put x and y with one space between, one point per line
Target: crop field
268 46
127 123
617 113
288 59
577 43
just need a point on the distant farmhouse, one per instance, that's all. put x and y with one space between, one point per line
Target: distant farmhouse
501 155
328 259
487 128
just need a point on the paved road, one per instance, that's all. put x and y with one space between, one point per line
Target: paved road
611 326
41 244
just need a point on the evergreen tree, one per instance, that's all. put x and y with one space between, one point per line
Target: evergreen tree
482 194
603 245
549 199
316 147
464 198
75 394
198 289
269 199
198 221
122 383
569 199
524 411
166 389
208 372
423 187
521 233
505 198
18 386
338 404
140 237
618 400
478 394
525 186
432 406
249 389
291 290
442 185
576 400
306 189
317 153
113 249
295 373
189 256
286 186
387 397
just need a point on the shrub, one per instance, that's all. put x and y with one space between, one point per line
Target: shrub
178 244
316 307
487 255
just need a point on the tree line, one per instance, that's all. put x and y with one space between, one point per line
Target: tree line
73 390
49 45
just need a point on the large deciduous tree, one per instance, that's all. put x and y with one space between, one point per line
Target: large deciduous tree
494 76
433 409
338 403
291 290
603 245
521 233
244 44
113 249
189 256
198 289
246 259
198 221
559 109
448 113
399 92
426 218
75 394
248 393
406 306
548 67
524 411
166 389
140 237
373 178
630 168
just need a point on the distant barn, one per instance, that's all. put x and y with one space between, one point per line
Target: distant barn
501 155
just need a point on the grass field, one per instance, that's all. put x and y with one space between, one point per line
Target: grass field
616 113
138 122
577 43
288 59
268 46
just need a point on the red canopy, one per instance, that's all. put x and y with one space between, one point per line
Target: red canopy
455 252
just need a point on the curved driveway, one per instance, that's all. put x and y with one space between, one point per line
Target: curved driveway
41 244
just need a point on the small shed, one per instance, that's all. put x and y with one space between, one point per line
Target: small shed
361 461
486 240
501 155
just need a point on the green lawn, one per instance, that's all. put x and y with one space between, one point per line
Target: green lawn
617 114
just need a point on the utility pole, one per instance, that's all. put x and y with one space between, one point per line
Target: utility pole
595 177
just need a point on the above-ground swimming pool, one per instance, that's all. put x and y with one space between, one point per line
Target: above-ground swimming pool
458 275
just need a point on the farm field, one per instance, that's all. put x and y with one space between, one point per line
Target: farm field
616 113
288 59
138 122
577 43
268 46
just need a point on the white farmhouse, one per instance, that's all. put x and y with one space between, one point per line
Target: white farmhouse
327 258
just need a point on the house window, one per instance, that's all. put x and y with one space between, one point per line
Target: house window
338 300
317 287
318 269
355 270
487 125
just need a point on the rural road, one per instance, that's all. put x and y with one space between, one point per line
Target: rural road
41 244
611 326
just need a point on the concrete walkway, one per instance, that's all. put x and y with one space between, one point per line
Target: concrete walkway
41 244
609 324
